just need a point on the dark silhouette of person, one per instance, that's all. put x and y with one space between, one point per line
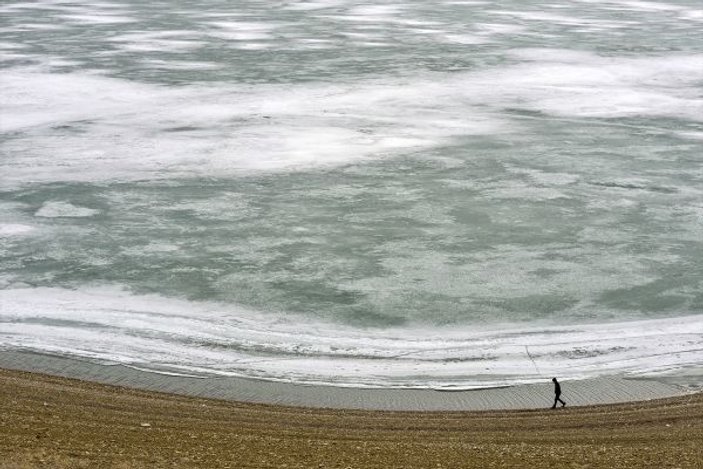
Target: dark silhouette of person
557 393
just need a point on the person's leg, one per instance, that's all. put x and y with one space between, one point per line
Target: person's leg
555 402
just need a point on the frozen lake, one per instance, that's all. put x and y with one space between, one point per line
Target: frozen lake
381 193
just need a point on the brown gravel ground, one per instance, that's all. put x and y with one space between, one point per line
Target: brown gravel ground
56 422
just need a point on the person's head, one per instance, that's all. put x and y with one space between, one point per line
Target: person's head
554 380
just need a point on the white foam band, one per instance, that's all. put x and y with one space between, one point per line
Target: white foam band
179 336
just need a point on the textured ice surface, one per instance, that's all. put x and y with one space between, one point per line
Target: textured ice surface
375 171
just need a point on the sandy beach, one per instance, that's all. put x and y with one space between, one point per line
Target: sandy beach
51 421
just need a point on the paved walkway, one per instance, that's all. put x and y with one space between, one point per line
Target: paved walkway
582 392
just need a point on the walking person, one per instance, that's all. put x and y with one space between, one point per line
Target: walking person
557 393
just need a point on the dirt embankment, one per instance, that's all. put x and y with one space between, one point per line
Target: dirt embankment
56 422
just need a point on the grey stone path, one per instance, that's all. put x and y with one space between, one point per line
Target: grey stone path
582 392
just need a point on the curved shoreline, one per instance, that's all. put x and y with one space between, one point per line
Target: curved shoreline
205 338
592 391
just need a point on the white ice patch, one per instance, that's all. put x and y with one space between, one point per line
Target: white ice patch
30 100
59 62
691 135
85 127
500 28
554 18
376 10
467 39
79 127
692 15
155 332
162 41
313 44
64 210
398 15
243 30
7 56
12 45
14 229
179 65
308 5
99 19
466 2
578 84
151 248
639 5
39 27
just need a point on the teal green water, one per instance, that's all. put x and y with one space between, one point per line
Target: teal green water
386 243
